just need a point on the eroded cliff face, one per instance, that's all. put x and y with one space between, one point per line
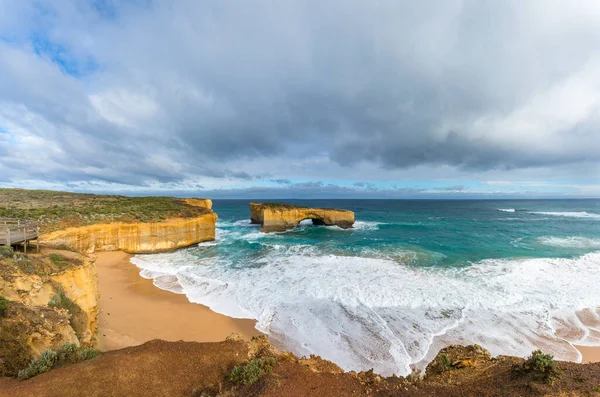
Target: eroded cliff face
26 331
53 300
78 284
137 237
280 217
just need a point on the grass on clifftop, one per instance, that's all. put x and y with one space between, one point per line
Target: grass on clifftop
12 262
59 210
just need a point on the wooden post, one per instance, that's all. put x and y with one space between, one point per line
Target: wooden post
37 240
24 240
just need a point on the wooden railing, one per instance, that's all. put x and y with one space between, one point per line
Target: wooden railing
17 231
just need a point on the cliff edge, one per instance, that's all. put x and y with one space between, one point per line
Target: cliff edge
89 222
275 217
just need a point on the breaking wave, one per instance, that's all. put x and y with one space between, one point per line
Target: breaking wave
365 312
581 214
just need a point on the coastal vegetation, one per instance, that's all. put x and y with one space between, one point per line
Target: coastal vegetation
3 305
542 366
69 353
42 264
251 372
58 210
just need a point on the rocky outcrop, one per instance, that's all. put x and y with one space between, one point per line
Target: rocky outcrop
197 202
140 237
279 217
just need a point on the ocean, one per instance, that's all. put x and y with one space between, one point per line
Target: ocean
411 277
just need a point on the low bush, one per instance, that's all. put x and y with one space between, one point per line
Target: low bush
87 353
58 260
6 252
3 305
445 364
543 364
64 247
61 300
252 371
44 364
69 353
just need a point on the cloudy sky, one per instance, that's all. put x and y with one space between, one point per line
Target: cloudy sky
337 98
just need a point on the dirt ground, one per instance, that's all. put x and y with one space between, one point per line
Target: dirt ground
160 368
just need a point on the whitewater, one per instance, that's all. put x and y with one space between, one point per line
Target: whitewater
409 279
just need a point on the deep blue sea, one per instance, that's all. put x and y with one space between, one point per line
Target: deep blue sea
409 278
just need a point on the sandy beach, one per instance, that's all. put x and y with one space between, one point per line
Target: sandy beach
133 310
590 354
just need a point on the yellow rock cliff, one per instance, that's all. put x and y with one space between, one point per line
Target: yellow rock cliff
137 237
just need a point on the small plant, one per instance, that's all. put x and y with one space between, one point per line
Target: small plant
3 305
87 353
44 364
414 376
69 353
444 364
61 300
6 252
64 247
252 371
544 364
58 260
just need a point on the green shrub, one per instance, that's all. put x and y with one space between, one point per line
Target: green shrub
44 364
6 252
542 363
445 364
58 260
87 353
69 353
61 300
64 247
3 305
252 371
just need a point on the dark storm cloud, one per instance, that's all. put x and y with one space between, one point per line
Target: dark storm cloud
184 89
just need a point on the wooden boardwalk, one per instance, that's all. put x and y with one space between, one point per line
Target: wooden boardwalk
19 231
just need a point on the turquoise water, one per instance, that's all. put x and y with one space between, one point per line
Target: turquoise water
411 277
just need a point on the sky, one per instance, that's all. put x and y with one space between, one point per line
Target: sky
302 99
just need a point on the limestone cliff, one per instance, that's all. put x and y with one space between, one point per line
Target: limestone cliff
140 237
78 284
196 202
26 331
280 217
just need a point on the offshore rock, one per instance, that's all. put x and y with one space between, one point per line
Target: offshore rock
275 217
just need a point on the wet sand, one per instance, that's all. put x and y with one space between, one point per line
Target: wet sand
590 354
134 311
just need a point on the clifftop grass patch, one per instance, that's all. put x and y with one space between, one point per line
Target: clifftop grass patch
59 210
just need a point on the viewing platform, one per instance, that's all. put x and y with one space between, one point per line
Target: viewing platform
19 231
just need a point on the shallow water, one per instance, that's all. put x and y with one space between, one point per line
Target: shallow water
411 277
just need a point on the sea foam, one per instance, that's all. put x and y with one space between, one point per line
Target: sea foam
572 214
380 313
570 242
